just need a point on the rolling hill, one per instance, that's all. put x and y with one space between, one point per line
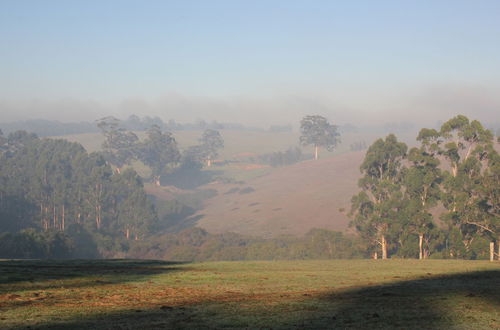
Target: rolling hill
289 200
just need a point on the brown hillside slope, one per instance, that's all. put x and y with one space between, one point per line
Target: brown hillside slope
289 200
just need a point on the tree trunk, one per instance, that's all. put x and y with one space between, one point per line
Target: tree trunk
63 218
420 243
127 233
375 255
330 251
54 219
209 162
492 251
315 152
98 216
384 248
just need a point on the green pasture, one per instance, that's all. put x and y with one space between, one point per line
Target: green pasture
132 294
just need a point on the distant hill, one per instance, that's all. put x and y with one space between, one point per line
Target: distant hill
289 200
42 127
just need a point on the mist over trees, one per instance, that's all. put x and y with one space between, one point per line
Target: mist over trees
58 201
159 150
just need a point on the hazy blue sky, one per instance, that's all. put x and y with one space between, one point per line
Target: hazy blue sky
244 59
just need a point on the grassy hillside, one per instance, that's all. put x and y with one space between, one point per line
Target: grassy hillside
289 200
124 294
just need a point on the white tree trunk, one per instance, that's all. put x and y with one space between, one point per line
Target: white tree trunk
315 152
492 251
420 244
384 248
63 224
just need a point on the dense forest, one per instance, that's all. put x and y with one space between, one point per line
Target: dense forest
437 200
53 193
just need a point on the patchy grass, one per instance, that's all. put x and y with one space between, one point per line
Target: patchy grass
292 199
128 294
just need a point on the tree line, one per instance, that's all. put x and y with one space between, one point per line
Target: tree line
454 171
53 185
57 200
54 193
159 151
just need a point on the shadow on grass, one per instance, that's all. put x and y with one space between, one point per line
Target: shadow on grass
19 275
467 300
429 303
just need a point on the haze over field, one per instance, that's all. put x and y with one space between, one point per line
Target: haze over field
289 164
258 63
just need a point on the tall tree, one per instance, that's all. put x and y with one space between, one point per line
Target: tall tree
376 209
134 213
488 220
158 152
120 145
318 132
211 141
421 183
464 149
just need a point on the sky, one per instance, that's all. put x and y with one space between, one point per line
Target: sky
255 62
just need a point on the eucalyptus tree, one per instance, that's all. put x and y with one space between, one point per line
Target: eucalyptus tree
158 151
422 188
93 184
464 148
318 132
489 201
120 145
377 208
134 214
210 142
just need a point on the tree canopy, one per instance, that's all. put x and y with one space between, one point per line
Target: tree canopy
158 151
455 167
211 141
318 132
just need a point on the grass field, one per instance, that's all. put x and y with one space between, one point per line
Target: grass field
127 294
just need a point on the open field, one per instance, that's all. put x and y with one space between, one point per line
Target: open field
127 294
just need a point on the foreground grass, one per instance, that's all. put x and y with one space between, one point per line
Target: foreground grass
128 294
